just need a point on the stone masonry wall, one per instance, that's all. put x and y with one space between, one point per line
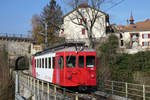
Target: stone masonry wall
15 48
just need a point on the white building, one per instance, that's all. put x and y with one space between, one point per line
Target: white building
136 36
35 48
73 29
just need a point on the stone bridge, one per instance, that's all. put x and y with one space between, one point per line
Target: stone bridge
16 45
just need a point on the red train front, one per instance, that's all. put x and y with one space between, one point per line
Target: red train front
68 66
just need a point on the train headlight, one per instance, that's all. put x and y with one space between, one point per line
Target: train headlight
92 76
69 77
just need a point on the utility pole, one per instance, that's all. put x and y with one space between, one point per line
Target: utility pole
46 43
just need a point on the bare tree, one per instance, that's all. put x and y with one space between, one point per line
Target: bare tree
37 27
90 15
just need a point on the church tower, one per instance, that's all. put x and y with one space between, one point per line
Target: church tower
131 19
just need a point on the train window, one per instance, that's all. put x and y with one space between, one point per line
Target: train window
81 61
90 61
61 62
39 63
35 63
49 62
71 61
42 62
53 62
45 62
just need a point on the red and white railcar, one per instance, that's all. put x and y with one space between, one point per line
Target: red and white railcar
67 65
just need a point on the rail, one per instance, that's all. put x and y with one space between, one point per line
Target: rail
127 90
44 90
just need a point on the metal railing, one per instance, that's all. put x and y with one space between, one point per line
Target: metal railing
101 39
44 90
127 90
15 35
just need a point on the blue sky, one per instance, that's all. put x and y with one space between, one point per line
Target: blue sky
15 15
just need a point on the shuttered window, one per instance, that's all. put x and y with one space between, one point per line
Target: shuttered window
80 21
145 36
83 31
145 43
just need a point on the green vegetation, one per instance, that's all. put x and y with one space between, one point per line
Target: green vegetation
123 67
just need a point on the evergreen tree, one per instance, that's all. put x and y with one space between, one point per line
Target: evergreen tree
52 15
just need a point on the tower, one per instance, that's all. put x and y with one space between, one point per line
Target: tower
131 19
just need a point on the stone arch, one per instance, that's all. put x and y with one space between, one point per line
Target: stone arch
22 63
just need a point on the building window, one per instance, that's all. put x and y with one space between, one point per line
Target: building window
80 21
82 12
83 31
122 43
121 36
145 36
145 43
62 31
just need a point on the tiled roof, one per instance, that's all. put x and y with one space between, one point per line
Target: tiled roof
83 5
139 26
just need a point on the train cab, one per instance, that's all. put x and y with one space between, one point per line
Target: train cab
75 68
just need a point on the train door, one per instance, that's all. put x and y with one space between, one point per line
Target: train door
60 69
81 69
33 67
72 71
91 69
57 70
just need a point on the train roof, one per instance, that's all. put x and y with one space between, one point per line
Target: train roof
73 46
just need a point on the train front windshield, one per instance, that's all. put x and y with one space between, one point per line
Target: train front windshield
90 61
71 61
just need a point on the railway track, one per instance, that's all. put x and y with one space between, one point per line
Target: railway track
66 94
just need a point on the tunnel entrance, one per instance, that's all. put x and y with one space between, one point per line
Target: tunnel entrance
22 63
